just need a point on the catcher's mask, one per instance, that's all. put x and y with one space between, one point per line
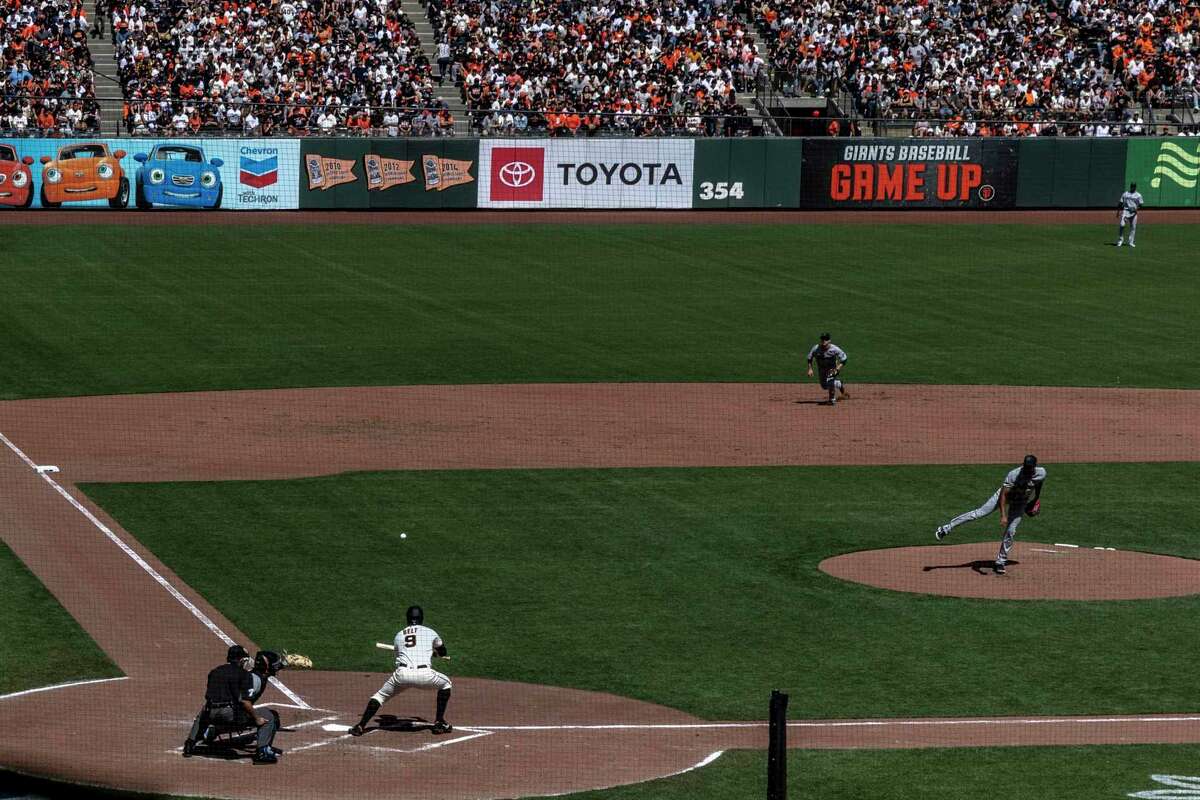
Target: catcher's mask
414 615
268 662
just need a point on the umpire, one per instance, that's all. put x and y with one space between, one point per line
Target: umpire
229 702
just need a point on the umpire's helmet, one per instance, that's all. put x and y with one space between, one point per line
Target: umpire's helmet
414 615
236 653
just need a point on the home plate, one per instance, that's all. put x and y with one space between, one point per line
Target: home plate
333 727
44 468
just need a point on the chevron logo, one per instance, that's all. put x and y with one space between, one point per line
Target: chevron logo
259 173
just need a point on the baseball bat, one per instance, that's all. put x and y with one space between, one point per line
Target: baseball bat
392 647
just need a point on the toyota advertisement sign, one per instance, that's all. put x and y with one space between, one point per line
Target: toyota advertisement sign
593 173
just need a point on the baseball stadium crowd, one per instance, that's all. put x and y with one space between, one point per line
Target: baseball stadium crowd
46 67
633 66
1115 63
583 67
272 67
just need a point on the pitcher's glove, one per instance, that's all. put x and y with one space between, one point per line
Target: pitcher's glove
297 661
1033 509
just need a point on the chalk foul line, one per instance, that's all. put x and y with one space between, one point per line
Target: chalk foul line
141 562
40 689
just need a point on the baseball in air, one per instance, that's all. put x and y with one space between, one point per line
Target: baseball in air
404 536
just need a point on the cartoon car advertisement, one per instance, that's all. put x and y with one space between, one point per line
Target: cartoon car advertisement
16 179
178 175
148 173
88 171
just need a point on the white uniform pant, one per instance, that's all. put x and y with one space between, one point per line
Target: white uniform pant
403 678
1010 532
1131 219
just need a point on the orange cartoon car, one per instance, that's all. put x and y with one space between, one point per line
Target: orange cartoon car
84 172
16 181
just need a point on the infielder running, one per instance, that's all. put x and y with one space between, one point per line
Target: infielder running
830 359
1019 496
1129 204
416 646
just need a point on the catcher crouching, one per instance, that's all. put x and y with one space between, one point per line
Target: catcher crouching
233 689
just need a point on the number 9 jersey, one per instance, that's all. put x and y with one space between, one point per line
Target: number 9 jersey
415 646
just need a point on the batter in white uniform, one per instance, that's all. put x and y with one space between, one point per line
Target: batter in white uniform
416 646
1016 497
1129 204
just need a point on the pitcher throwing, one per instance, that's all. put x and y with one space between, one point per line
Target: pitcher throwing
416 646
1019 496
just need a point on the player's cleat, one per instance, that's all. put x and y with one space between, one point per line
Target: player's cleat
275 750
1000 568
357 730
940 533
265 756
189 748
1131 244
441 726
1119 242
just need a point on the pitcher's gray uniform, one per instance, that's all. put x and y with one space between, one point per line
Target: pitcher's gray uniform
1021 488
416 646
1129 204
830 359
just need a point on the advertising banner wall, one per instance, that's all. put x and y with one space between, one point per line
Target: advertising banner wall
149 173
388 173
1167 171
909 173
747 173
585 173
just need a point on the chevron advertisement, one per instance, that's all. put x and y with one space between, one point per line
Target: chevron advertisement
148 173
1167 171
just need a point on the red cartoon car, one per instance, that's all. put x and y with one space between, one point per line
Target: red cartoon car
16 181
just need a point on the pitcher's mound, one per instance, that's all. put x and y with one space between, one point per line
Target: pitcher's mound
1035 572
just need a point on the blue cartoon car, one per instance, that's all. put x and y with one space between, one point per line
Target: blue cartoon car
178 175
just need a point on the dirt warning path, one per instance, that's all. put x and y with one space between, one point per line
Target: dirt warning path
512 739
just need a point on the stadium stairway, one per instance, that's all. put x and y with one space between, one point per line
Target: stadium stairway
108 88
415 11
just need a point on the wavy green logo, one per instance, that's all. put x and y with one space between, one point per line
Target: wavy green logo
1176 165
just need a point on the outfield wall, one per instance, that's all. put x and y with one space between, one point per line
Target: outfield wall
597 173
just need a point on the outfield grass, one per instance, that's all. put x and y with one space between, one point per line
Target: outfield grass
998 773
115 309
696 588
40 643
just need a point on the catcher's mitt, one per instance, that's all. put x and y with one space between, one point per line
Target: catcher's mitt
1033 509
297 661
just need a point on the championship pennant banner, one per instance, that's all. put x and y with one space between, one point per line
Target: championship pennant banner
389 173
908 173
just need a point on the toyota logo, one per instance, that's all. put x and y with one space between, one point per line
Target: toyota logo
517 174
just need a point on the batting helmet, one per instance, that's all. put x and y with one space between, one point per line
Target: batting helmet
414 615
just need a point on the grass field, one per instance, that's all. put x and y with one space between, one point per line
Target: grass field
622 581
41 643
618 578
182 308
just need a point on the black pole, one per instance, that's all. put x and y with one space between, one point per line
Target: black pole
777 748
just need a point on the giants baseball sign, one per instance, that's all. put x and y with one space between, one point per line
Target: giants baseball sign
882 173
592 173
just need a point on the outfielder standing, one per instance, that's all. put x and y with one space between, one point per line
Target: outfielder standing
1129 204
416 646
1019 496
830 359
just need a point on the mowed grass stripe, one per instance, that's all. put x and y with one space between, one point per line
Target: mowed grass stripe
696 588
125 309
